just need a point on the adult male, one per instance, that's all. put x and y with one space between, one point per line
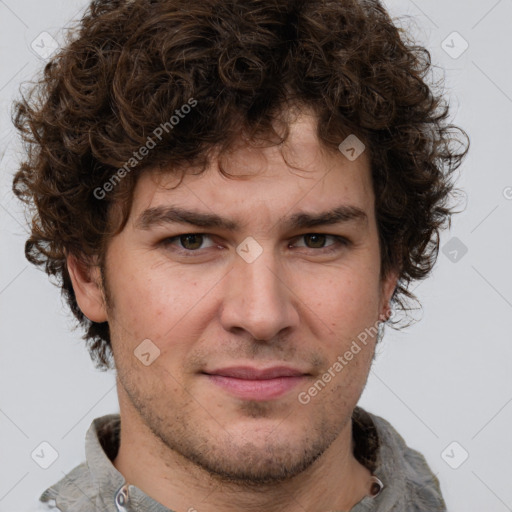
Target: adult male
296 143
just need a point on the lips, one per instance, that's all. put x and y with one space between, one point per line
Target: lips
250 373
259 384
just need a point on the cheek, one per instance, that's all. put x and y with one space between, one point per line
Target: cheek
347 301
160 304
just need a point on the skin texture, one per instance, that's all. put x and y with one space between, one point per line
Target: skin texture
187 442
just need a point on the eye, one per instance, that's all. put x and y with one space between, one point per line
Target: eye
318 240
188 242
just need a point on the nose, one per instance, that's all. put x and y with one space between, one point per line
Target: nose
258 298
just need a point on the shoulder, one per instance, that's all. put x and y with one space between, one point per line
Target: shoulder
406 470
43 507
94 480
72 492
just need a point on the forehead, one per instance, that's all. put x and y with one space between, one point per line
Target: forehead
268 183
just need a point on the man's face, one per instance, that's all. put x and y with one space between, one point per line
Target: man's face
287 299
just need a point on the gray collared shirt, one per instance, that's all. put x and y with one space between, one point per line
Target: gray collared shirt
97 486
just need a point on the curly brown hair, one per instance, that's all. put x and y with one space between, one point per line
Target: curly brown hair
129 67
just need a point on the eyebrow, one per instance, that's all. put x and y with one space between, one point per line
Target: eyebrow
161 215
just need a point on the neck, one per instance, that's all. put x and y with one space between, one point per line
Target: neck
336 480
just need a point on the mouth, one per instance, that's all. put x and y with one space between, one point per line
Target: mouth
258 384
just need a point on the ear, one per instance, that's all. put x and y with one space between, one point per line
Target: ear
388 287
86 280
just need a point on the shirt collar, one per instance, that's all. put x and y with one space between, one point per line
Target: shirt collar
101 446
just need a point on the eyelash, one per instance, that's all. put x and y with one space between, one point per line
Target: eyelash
339 243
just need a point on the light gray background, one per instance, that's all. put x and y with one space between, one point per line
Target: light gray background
447 378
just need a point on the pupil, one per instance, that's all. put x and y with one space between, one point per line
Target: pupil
186 238
320 239
316 240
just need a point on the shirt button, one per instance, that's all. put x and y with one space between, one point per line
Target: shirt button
122 499
375 487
